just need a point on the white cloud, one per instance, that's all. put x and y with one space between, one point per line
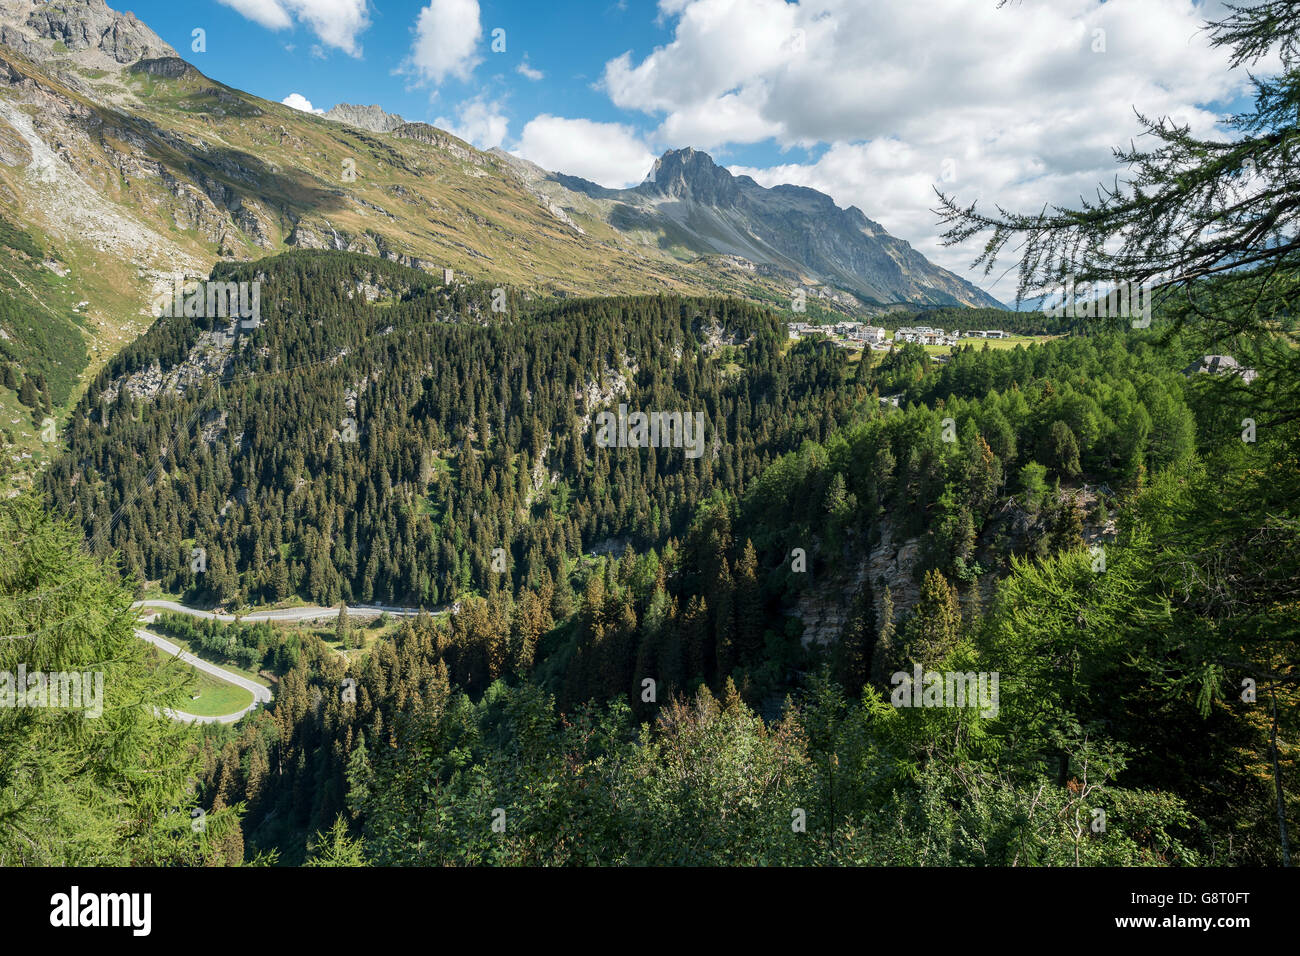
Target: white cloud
610 154
337 23
731 118
478 122
269 13
447 34
1020 99
528 72
300 102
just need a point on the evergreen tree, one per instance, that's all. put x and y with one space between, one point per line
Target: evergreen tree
857 642
934 627
64 612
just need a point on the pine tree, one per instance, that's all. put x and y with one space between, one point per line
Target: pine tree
856 645
1067 525
934 628
885 653
342 627
62 803
27 393
360 776
749 606
696 645
336 847
722 602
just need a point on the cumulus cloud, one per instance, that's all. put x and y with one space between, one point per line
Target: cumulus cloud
610 154
479 122
1020 105
300 102
528 72
337 23
447 34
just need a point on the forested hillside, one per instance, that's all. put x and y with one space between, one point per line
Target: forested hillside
474 432
517 709
382 450
1035 605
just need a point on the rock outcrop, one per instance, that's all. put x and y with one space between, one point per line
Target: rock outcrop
88 29
372 118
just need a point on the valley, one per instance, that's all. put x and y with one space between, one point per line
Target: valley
420 506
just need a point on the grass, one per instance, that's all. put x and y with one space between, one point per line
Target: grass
213 697
208 696
996 344
372 631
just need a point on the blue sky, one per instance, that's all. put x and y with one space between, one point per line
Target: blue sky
875 102
567 41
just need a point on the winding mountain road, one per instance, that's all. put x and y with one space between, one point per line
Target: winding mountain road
261 695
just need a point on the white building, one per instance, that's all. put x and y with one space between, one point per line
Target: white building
923 335
869 334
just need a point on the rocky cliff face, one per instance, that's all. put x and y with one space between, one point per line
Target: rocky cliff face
825 608
89 30
800 227
692 176
432 136
372 118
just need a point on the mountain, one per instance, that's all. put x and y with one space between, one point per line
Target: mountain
693 202
123 166
87 30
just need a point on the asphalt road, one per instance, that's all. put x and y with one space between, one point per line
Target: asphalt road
308 613
261 695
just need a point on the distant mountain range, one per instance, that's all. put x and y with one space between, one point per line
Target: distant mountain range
698 206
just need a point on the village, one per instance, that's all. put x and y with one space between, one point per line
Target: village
858 335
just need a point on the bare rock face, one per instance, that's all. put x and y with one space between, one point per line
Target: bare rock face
372 118
308 235
171 67
432 136
15 39
691 174
824 608
83 27
790 232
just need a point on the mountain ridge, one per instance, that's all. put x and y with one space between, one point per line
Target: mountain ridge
785 226
373 117
688 212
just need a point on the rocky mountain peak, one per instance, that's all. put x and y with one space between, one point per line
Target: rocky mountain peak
690 174
90 30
